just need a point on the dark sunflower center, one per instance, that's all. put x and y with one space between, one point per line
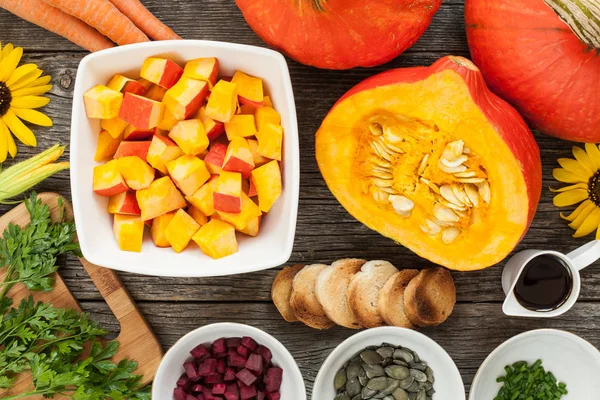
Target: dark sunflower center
5 98
594 188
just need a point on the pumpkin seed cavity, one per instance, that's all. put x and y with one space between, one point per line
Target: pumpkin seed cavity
411 164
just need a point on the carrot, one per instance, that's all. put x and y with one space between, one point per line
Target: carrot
55 20
144 20
106 18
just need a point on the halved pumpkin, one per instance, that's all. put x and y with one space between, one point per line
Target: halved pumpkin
430 158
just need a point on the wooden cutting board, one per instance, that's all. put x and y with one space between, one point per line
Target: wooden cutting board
136 337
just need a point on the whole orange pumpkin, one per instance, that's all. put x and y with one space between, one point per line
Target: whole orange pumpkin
545 67
339 34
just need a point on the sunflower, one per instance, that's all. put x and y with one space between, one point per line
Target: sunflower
20 93
583 173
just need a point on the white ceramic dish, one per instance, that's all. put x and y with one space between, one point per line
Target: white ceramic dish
171 366
448 382
272 247
570 358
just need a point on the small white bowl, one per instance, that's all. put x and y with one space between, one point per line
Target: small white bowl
273 245
448 382
571 360
171 366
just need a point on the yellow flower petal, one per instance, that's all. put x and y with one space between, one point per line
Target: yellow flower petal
29 102
567 177
21 72
582 216
575 167
594 154
584 159
3 145
33 116
571 187
42 80
569 198
31 91
26 80
9 64
589 224
19 129
579 210
10 142
7 50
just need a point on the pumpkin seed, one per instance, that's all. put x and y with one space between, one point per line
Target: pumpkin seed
353 387
454 163
418 375
453 150
378 161
389 190
404 355
342 396
378 383
450 234
444 213
466 174
357 397
472 194
430 228
368 393
353 369
381 151
374 371
418 365
466 150
414 388
471 180
448 194
402 205
376 129
429 373
363 378
460 194
381 183
407 382
400 394
423 165
400 362
422 395
451 170
380 195
340 379
397 372
387 361
484 191
371 357
431 185
393 384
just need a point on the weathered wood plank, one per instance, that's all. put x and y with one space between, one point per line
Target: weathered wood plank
470 334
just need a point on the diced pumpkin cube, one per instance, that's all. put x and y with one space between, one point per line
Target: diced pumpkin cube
161 151
248 212
132 133
203 198
145 83
258 159
250 89
168 120
102 102
156 93
136 172
129 232
180 230
270 140
141 112
240 126
222 102
107 146
253 227
114 126
124 203
267 102
189 173
198 216
239 157
227 194
185 98
215 158
124 85
108 180
246 109
216 239
160 198
252 189
267 181
212 128
161 71
204 69
139 149
265 116
159 225
190 136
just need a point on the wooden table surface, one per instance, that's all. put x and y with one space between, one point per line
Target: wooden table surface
325 231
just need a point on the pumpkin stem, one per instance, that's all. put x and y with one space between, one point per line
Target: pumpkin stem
582 16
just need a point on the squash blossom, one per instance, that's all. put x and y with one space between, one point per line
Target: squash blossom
21 88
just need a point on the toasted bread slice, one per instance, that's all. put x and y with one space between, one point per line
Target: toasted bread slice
391 299
430 297
363 291
331 290
304 301
282 290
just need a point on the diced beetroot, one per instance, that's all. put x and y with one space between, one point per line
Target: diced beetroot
200 352
248 342
219 388
247 392
273 396
232 392
179 394
260 395
273 379
190 397
218 346
190 369
254 363
208 367
183 381
236 360
210 396
246 377
214 378
201 397
221 365
220 355
243 350
265 353
233 342
197 388
229 375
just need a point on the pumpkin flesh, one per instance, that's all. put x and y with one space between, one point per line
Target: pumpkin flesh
428 108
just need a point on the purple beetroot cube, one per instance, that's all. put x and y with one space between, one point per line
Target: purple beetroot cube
210 396
255 363
214 378
247 392
233 342
190 370
183 381
208 367
197 388
236 360
218 346
229 375
219 356
246 377
179 394
200 397
243 350
221 365
260 395
219 388
273 379
190 397
200 352
273 396
265 353
248 342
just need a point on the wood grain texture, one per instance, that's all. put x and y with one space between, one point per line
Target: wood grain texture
325 231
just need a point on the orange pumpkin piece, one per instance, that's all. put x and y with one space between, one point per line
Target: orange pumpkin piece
180 230
248 212
253 227
270 141
198 216
129 232
102 102
222 102
250 89
108 180
160 198
136 172
203 198
107 146
267 183
240 126
115 126
190 136
216 239
159 225
189 173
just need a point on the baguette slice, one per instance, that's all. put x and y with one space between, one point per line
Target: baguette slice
332 288
304 301
430 297
363 291
282 290
391 299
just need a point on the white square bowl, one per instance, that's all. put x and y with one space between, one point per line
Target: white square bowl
273 245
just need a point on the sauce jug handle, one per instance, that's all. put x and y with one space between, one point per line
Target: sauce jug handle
585 255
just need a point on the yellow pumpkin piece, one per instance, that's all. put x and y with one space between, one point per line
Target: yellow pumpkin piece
180 230
203 198
222 102
267 102
265 116
102 102
267 181
107 146
270 140
258 159
129 232
250 89
190 136
159 225
216 239
253 227
200 218
115 126
240 126
160 198
241 220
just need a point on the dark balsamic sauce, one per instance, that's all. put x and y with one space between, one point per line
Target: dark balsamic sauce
545 283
